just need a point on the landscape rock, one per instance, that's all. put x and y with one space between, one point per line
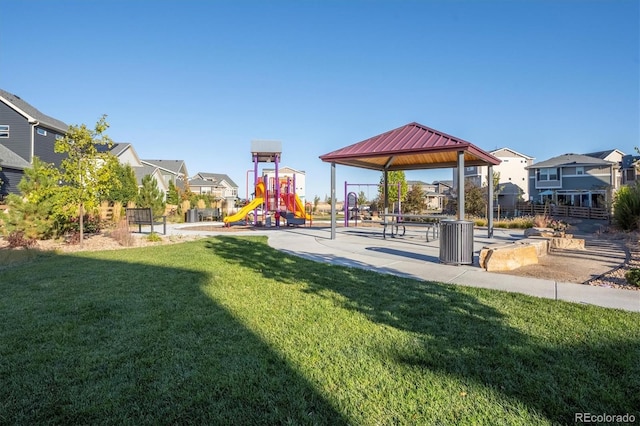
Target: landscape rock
566 243
508 257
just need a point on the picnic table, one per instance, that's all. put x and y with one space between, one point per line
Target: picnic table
396 224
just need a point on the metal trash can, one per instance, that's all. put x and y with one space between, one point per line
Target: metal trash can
456 242
191 216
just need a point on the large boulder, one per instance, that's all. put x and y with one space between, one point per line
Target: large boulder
508 257
541 245
566 243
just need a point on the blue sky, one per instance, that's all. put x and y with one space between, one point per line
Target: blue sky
199 80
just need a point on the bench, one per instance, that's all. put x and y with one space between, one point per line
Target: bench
208 214
399 228
144 216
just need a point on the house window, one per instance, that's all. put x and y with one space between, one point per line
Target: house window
580 170
4 131
41 132
548 173
630 175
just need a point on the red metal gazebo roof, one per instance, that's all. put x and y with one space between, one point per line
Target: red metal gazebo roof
410 147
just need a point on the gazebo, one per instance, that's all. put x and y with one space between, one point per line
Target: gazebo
413 147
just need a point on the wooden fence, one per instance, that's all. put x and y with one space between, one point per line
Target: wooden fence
599 213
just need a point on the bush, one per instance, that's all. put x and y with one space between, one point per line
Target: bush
154 237
626 207
122 234
633 276
18 239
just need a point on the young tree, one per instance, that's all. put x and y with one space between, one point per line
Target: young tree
84 174
172 194
151 196
316 201
36 212
394 178
475 199
362 199
414 202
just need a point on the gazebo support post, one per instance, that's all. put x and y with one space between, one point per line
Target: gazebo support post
333 201
490 202
386 191
460 185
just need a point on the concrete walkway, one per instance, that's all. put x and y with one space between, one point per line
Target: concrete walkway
411 256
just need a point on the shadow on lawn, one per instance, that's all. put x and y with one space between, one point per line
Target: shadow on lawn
462 336
106 341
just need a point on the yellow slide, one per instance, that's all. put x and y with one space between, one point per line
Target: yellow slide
300 211
257 202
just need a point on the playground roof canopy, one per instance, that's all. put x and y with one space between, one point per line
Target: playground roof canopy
410 147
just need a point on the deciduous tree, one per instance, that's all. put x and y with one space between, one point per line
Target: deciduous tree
394 178
86 172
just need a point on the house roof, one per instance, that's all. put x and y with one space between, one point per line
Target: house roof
141 172
217 177
604 154
410 147
173 166
493 152
118 148
31 113
11 160
570 160
202 182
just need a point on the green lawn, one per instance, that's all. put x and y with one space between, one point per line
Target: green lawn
227 330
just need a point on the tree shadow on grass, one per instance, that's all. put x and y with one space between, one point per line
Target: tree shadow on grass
88 340
556 374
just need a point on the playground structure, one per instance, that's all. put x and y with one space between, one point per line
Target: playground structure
274 195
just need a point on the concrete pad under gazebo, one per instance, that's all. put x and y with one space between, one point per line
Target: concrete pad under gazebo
413 147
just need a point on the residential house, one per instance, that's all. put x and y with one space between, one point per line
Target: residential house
25 133
613 155
434 195
12 169
126 154
218 185
575 179
513 185
171 171
629 169
290 179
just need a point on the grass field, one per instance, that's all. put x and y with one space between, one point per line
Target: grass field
227 330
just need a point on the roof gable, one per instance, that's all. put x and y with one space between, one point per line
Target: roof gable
31 113
604 155
497 153
175 167
126 153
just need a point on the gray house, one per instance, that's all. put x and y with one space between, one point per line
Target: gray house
574 180
219 185
25 133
